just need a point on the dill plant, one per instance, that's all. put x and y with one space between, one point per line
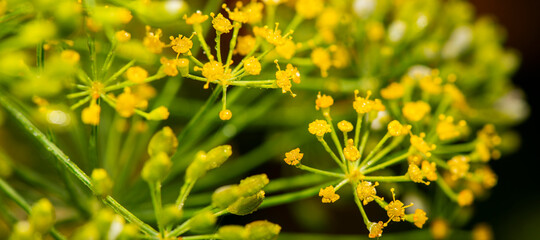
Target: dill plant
121 100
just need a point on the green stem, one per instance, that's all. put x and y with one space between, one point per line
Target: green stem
71 166
199 32
446 189
109 59
403 178
377 147
184 192
197 237
388 163
232 44
294 23
218 46
332 154
155 193
294 196
333 134
321 172
395 142
357 129
157 76
360 206
119 72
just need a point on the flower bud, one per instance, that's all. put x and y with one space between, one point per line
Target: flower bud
183 65
217 156
252 185
203 221
42 215
197 168
171 214
224 196
246 205
160 113
23 230
262 230
232 232
163 141
87 231
102 183
156 168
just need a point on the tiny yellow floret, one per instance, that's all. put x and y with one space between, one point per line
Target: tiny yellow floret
366 191
319 128
459 166
252 66
225 114
418 142
350 151
221 24
136 74
429 170
122 36
328 195
395 209
152 40
245 44
321 58
160 113
376 229
415 174
181 44
345 126
195 18
323 101
309 8
415 111
126 103
90 115
70 56
393 91
170 66
419 218
293 157
396 129
465 198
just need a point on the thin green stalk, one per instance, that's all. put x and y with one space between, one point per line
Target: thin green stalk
395 142
157 76
321 172
387 163
333 134
404 178
119 72
155 193
109 59
218 47
232 44
195 60
199 32
452 149
357 129
446 189
294 196
81 102
195 119
294 23
332 154
93 56
360 206
184 192
40 56
376 148
71 166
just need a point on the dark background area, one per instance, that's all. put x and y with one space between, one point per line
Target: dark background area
514 205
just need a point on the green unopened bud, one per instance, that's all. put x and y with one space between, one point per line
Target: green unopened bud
24 231
252 185
203 221
102 183
217 156
183 65
224 196
246 205
262 230
42 215
156 168
160 113
163 141
171 214
232 232
197 168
